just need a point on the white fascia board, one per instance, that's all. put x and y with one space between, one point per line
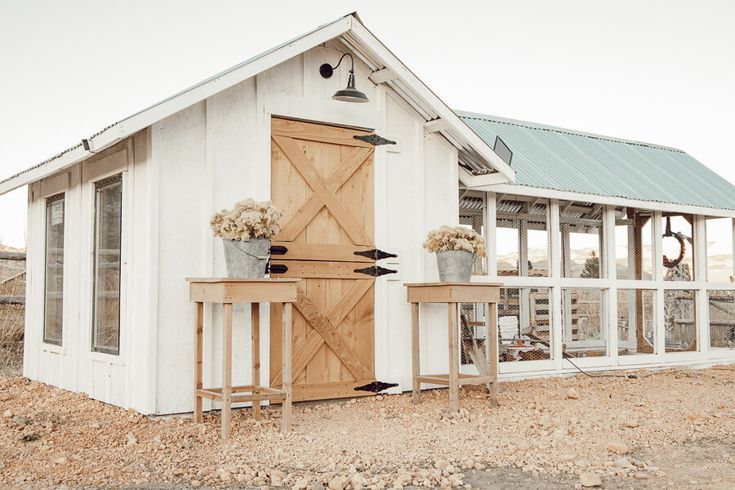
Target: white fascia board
402 73
524 190
481 182
178 102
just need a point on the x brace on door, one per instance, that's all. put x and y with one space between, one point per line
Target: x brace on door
326 329
323 191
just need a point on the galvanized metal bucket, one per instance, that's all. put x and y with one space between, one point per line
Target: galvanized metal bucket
246 259
455 265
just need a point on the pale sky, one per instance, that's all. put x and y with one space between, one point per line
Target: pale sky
656 71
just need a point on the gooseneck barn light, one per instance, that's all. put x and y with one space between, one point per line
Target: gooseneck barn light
349 94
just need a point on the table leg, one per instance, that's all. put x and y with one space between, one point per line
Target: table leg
492 348
199 332
286 368
453 359
227 372
416 351
255 340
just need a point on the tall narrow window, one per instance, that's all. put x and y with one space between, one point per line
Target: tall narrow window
581 239
54 277
107 240
678 247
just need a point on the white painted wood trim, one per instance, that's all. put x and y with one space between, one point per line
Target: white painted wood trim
523 190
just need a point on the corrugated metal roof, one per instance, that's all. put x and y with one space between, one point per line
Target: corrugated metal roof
566 160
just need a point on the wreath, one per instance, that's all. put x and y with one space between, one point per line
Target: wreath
668 263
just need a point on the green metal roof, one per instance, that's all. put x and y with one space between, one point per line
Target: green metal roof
566 160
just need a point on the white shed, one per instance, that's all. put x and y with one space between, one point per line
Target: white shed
117 222
608 262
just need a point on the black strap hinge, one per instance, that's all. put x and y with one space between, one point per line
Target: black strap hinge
374 139
278 250
375 254
277 268
375 271
376 386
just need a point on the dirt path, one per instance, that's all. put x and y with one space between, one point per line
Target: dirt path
673 429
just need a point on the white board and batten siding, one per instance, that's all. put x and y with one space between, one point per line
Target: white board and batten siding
218 151
122 379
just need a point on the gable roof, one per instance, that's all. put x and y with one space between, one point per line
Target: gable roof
475 154
548 157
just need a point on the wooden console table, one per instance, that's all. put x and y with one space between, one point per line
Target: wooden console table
227 291
453 294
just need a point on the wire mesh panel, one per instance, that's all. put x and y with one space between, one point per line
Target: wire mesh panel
581 229
524 324
678 247
472 215
680 320
636 321
721 319
522 237
583 322
719 249
634 243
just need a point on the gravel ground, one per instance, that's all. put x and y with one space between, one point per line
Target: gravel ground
547 433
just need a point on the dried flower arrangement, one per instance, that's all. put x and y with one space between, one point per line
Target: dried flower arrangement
447 238
248 219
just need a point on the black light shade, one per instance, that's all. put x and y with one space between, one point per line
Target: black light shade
350 94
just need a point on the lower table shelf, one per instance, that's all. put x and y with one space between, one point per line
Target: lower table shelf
257 393
463 379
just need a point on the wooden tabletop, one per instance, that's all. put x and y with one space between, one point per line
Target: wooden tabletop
453 292
239 279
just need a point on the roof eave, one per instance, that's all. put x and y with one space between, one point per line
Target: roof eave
457 130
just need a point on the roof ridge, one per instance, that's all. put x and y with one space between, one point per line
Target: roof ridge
556 129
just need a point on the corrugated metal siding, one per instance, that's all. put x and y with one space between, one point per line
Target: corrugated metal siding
554 158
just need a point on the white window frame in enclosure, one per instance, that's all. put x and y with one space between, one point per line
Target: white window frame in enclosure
116 161
610 284
48 202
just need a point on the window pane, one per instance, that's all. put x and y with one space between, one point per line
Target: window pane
522 238
719 250
636 321
581 239
722 319
680 320
108 221
634 243
54 278
678 248
583 323
524 324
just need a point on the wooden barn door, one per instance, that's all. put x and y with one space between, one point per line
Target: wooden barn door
322 180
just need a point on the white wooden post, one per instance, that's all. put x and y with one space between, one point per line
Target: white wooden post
555 273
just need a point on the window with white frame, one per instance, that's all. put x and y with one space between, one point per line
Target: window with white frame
678 247
719 249
581 228
721 319
680 320
53 318
584 329
107 265
636 321
634 243
522 236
